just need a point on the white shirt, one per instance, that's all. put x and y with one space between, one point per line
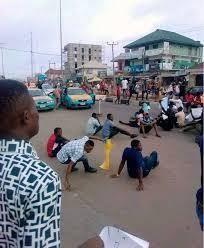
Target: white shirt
124 84
73 150
180 118
92 126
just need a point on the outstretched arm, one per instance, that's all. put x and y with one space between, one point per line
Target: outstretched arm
68 172
140 186
121 166
95 138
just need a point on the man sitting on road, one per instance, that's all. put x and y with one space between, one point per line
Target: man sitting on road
147 123
72 153
93 125
137 165
55 142
142 121
110 129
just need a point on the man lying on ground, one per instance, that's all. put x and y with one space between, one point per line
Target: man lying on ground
74 152
55 142
93 125
137 165
109 129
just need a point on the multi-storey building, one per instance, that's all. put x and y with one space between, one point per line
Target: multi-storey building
80 54
161 51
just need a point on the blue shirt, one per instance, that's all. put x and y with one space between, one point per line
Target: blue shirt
134 161
106 130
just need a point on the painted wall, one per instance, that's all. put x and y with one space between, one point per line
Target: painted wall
184 50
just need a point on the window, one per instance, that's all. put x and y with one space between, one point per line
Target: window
89 50
75 49
89 57
82 63
147 47
95 50
127 62
94 57
190 51
75 65
82 50
155 46
82 57
75 55
99 58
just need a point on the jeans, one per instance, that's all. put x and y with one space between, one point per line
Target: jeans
83 159
150 162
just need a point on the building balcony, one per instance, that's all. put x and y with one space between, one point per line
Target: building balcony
154 52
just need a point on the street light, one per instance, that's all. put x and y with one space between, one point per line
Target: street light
60 27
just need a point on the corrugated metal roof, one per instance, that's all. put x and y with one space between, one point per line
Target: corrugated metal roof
163 35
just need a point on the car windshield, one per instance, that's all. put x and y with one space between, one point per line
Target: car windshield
47 87
76 92
36 92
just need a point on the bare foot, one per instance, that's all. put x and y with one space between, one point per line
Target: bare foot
158 135
144 137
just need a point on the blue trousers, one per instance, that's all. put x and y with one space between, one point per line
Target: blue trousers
150 162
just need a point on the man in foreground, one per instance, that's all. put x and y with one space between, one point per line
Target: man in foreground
30 191
137 166
109 129
93 125
55 142
72 153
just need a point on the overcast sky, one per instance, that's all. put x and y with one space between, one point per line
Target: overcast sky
88 21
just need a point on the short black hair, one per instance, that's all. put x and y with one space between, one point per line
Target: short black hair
94 115
14 98
57 129
108 116
180 109
90 143
141 111
135 143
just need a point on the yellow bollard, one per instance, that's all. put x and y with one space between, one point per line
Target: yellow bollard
107 149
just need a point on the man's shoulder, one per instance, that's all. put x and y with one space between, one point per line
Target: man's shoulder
40 168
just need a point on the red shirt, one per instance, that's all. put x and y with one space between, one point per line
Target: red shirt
118 91
50 144
189 98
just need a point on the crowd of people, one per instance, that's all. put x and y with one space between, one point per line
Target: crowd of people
30 193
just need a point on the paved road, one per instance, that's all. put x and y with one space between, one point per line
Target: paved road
163 214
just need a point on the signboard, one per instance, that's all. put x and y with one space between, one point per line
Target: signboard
42 77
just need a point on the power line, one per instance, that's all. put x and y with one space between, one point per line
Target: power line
27 51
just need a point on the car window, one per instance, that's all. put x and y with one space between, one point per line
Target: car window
47 87
75 92
36 92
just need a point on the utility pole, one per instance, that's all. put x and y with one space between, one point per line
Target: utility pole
112 44
2 62
60 24
31 53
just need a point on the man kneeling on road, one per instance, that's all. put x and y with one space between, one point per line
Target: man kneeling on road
72 153
137 166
